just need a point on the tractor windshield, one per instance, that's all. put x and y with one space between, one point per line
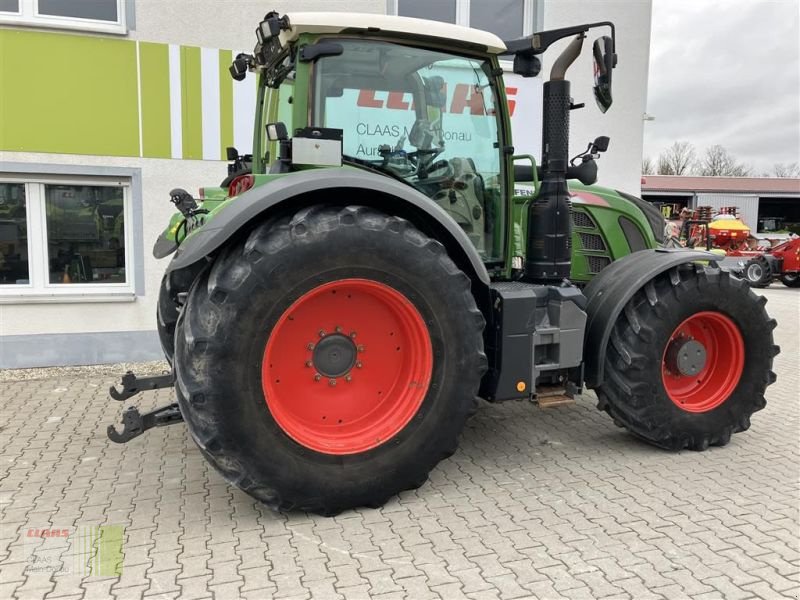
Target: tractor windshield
425 117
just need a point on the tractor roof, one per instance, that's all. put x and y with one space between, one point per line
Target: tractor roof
331 22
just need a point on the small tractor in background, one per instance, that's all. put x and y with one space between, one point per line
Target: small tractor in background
781 261
728 236
333 312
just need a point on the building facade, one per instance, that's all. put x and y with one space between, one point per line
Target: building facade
764 204
108 105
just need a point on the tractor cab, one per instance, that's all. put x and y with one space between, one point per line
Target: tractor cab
428 110
423 111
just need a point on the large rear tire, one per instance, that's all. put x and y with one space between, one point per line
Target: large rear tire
689 359
329 361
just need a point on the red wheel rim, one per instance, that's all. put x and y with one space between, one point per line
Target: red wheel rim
717 337
347 366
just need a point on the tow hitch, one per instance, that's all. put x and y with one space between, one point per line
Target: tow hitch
134 423
132 385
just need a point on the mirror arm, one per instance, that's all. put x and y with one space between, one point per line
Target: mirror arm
540 42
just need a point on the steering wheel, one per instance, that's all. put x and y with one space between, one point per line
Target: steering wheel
422 136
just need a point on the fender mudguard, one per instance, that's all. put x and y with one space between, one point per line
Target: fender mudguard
259 200
611 289
775 264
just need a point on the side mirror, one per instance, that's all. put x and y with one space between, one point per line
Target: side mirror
600 144
604 62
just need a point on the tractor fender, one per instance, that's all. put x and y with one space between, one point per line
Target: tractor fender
352 186
775 263
611 289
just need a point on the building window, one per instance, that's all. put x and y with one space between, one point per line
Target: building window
444 10
14 254
63 236
88 15
508 19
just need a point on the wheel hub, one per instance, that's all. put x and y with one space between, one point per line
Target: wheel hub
347 366
334 355
685 356
703 361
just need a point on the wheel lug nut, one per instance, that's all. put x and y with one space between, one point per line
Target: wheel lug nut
338 329
352 334
310 346
348 379
321 333
317 377
331 382
359 365
308 363
360 348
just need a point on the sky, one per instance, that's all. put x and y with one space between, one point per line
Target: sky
726 72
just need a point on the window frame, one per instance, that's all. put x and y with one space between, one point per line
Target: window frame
29 15
39 288
531 14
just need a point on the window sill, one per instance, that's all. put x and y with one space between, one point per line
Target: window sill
76 298
67 24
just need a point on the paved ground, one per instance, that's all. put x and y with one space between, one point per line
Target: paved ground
548 504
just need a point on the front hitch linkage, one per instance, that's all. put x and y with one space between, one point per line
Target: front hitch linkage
132 385
134 423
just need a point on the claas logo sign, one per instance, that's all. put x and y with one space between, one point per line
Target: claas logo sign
465 97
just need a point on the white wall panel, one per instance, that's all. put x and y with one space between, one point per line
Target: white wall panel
747 205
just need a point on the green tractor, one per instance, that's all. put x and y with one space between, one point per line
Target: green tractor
334 310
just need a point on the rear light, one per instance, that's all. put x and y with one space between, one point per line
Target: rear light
240 185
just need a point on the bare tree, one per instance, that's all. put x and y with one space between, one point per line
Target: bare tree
785 170
718 162
678 159
648 168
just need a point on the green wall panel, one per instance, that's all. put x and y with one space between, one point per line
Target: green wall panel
225 100
68 93
191 99
154 81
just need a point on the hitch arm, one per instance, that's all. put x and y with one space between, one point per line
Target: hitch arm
135 424
132 385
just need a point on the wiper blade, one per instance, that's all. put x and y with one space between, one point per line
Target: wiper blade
360 162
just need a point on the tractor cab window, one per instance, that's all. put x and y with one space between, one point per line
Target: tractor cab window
422 116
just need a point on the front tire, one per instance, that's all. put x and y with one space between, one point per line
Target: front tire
758 272
689 359
791 280
166 318
330 361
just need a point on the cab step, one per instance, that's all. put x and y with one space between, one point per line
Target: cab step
549 397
